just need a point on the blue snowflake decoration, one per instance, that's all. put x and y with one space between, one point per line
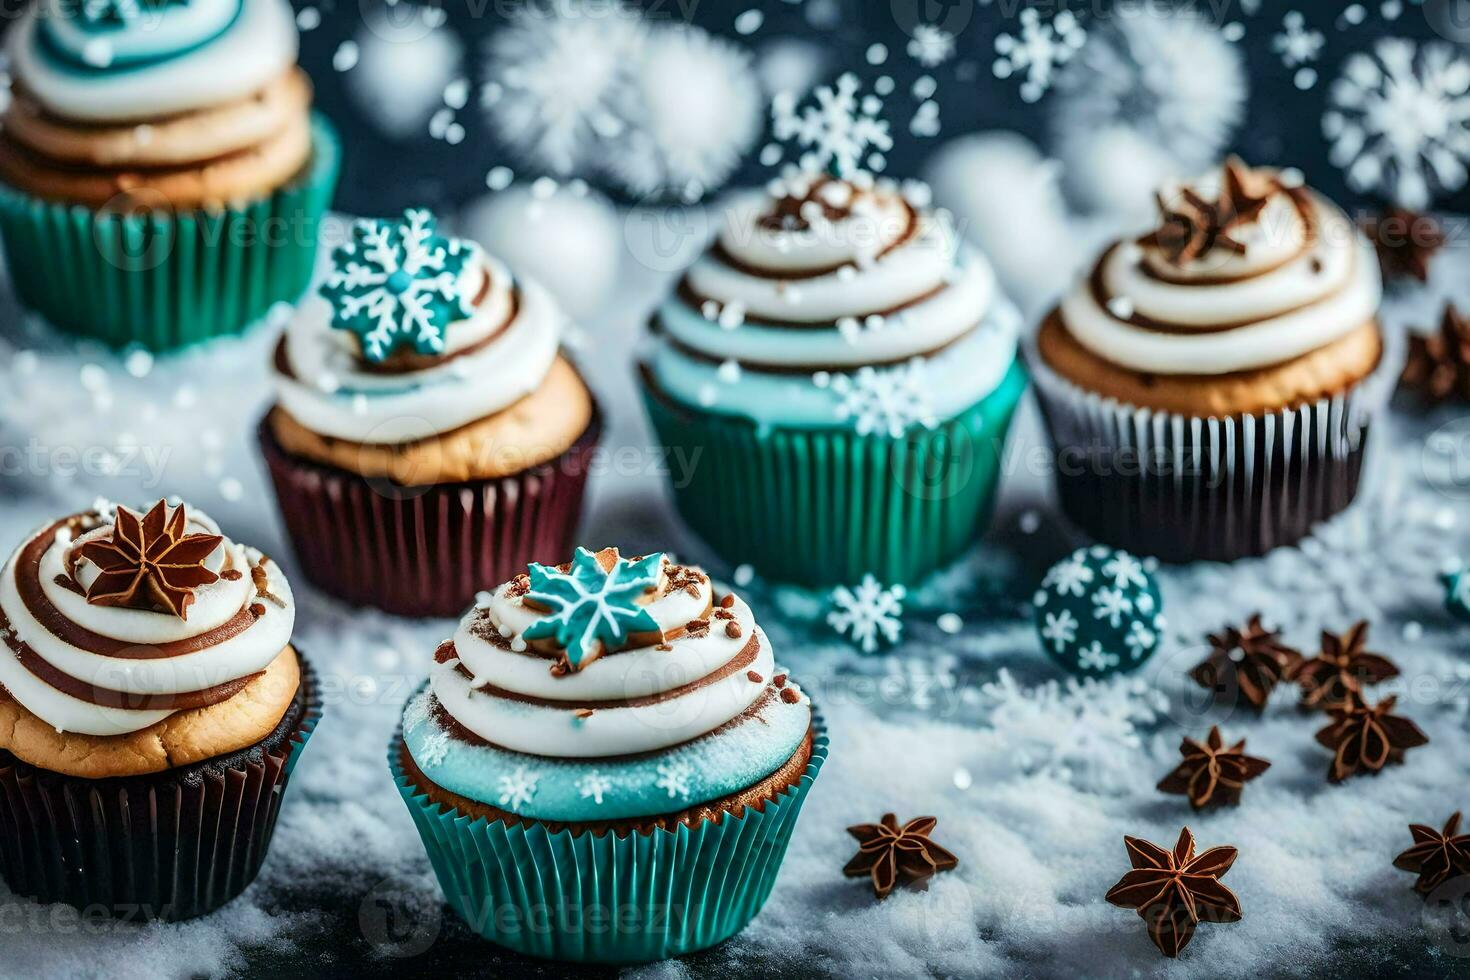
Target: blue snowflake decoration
1099 612
397 284
119 13
1456 579
592 608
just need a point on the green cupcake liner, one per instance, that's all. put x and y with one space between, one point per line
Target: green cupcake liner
164 280
824 506
603 898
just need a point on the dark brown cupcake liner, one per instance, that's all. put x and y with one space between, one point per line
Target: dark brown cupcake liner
426 551
161 847
1186 488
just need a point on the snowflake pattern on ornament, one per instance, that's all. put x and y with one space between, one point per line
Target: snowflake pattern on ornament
888 401
397 284
593 786
1059 629
868 614
675 779
1097 611
1399 121
1039 51
931 46
840 134
517 787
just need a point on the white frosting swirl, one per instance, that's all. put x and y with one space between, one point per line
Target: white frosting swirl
636 700
236 654
329 390
147 69
850 278
1306 278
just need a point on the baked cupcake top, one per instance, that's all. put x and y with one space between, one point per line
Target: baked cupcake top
605 689
176 103
842 302
413 334
114 620
1246 270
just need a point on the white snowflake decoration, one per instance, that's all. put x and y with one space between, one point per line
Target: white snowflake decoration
886 401
1069 577
1399 121
1040 49
1094 658
517 787
593 786
122 11
841 133
1060 629
398 284
675 779
1298 45
1111 605
1125 570
930 45
1140 640
868 613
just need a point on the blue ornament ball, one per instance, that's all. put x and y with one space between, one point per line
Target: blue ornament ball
1099 612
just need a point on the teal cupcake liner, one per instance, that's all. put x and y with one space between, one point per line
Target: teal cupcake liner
163 280
825 506
584 897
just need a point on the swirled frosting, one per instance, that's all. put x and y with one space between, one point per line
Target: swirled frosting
1290 277
95 669
490 360
693 710
835 303
161 60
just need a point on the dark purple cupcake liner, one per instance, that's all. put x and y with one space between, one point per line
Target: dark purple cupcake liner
1186 488
426 551
164 847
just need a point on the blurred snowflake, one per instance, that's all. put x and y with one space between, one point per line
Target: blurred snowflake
889 401
1399 121
931 46
1041 48
868 614
840 132
1298 45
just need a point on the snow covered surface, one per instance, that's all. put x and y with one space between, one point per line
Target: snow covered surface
1034 779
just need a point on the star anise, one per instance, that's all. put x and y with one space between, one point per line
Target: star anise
1437 855
892 855
1252 660
1438 366
1212 772
1339 673
150 562
1366 738
1405 241
1198 226
1174 891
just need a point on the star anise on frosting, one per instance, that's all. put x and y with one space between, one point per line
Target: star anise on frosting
1405 241
1212 772
892 855
150 562
1251 660
1336 676
1438 366
1197 226
1174 891
1437 855
1366 738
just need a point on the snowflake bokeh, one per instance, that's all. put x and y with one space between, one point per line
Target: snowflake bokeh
838 130
1040 49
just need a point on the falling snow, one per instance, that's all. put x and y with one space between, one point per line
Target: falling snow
931 46
1039 51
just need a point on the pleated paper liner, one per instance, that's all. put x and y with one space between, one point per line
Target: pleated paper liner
164 280
1183 488
603 898
426 551
824 506
167 846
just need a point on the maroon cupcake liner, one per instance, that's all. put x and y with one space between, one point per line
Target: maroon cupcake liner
1189 488
163 847
426 550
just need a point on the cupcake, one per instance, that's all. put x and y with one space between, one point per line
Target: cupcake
839 372
1210 386
429 436
151 711
162 175
607 764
